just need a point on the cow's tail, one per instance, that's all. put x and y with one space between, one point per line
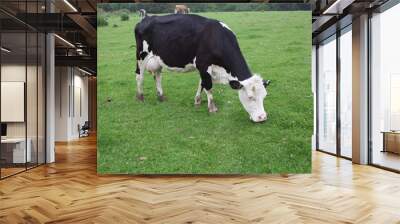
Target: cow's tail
142 13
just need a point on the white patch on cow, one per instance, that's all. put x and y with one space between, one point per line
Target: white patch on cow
189 67
197 97
219 74
140 77
140 63
154 63
252 96
211 105
226 26
157 76
145 46
209 95
139 83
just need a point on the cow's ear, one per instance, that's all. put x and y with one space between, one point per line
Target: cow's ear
266 83
235 84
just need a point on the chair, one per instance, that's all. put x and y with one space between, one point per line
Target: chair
84 130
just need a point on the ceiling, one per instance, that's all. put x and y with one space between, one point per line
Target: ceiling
74 22
330 15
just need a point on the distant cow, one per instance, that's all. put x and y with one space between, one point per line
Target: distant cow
187 42
182 9
142 13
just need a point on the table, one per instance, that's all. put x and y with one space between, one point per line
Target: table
18 151
391 141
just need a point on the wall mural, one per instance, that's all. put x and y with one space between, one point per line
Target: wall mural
206 89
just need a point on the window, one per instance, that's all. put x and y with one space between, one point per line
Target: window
22 77
327 95
346 92
385 89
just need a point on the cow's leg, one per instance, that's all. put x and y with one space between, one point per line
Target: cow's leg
211 105
197 98
206 83
139 81
160 94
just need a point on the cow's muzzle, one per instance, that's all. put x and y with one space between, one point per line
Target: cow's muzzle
259 118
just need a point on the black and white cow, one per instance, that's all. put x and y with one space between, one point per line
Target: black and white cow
142 13
187 42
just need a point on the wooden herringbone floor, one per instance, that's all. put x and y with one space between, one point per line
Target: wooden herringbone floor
69 191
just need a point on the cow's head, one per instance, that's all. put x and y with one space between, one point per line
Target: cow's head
252 92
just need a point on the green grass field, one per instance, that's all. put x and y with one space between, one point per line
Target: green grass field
176 137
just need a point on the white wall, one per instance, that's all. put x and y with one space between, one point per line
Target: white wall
70 83
34 125
17 73
62 82
80 84
13 101
12 73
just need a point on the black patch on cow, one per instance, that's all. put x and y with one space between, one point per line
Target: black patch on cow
179 38
235 84
266 83
142 55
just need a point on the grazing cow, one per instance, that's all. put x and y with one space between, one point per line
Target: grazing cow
142 13
186 42
182 9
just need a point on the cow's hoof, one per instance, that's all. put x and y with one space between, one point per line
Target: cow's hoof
197 101
212 108
140 97
161 98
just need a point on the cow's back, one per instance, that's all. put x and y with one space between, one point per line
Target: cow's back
175 38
